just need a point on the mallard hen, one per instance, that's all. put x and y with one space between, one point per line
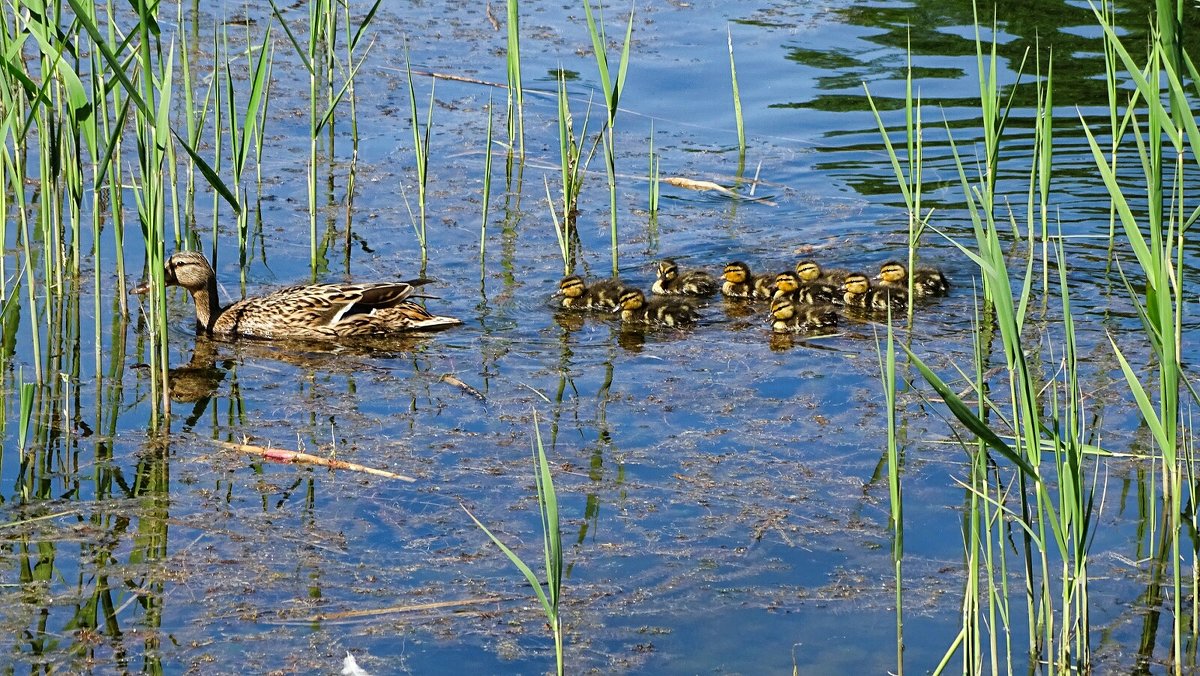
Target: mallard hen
672 282
635 308
314 311
579 295
926 282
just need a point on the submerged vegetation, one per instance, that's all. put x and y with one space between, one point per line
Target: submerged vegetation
114 119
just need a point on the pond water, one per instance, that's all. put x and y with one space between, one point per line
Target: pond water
723 492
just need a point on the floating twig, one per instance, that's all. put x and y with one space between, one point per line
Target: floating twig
453 380
296 456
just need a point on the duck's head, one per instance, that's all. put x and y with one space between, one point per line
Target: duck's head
631 299
892 272
856 283
736 272
783 308
571 286
667 270
786 282
189 269
808 271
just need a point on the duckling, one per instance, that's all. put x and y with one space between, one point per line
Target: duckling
788 316
925 281
857 292
691 283
578 295
810 273
741 283
789 284
636 309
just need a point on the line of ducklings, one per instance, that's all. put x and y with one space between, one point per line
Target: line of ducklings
802 300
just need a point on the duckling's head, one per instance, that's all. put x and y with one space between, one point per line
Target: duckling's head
736 272
783 308
667 270
571 287
808 271
856 283
786 282
189 269
892 272
631 299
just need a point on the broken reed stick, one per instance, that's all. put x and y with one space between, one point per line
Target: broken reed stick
296 456
374 612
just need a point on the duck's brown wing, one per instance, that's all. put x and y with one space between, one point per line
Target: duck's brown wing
316 310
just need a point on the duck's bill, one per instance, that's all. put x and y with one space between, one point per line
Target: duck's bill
142 288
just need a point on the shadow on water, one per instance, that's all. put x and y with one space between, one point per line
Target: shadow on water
723 488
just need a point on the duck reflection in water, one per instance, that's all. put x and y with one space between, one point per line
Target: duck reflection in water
197 381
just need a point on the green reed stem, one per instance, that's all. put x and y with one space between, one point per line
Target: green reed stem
737 100
421 135
887 372
571 162
1158 247
612 95
653 174
487 196
516 90
26 415
549 593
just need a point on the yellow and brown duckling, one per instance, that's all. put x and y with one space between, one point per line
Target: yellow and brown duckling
309 312
577 294
789 316
789 284
812 273
857 292
635 308
673 282
741 283
926 282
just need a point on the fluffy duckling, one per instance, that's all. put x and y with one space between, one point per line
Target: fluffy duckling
789 284
578 295
636 309
857 292
788 316
741 283
671 282
812 273
925 281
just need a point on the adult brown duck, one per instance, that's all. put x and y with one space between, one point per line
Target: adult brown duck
313 311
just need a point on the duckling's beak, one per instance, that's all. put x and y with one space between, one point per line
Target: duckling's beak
617 309
877 277
556 294
141 289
